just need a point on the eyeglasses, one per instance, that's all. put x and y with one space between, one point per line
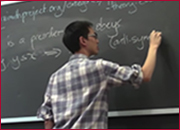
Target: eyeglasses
95 35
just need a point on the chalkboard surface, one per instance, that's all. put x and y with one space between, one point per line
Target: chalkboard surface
32 49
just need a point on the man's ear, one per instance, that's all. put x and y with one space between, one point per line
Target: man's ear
82 41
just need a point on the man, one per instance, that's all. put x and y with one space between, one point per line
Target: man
76 96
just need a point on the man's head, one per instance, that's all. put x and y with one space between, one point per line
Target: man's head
79 37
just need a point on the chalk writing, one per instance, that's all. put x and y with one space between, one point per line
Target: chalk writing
125 39
39 37
23 15
16 61
22 41
109 25
60 8
55 51
11 43
3 65
114 40
82 5
133 6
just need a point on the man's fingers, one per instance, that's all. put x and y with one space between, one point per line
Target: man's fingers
156 33
153 31
159 33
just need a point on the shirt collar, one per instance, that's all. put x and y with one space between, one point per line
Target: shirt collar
77 56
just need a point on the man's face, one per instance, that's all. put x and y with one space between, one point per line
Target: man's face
92 42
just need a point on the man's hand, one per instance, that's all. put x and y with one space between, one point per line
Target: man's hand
48 124
150 62
155 39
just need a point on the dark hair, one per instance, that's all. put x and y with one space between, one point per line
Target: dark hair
72 33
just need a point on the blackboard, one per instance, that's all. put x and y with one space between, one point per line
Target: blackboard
32 49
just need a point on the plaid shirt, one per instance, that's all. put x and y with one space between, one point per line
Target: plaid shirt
76 96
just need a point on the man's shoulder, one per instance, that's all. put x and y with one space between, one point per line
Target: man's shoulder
60 70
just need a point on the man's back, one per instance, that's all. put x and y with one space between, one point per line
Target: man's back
78 96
